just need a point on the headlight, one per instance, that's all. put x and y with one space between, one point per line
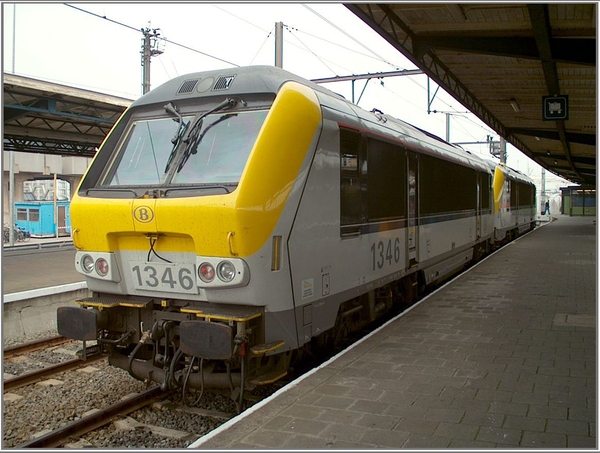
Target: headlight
87 264
98 265
226 271
216 272
102 266
206 272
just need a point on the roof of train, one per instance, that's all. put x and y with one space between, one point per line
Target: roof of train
231 81
511 173
269 79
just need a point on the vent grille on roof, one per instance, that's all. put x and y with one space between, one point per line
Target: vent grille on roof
223 83
187 86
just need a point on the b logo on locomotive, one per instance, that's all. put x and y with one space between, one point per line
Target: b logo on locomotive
143 214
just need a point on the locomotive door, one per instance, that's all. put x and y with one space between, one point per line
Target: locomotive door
413 210
479 204
62 221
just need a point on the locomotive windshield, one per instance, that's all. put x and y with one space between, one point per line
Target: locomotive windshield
217 152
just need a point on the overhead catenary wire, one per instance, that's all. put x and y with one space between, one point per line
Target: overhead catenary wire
290 29
375 56
254 25
261 47
460 127
241 18
457 125
103 17
303 47
347 34
371 55
162 38
387 62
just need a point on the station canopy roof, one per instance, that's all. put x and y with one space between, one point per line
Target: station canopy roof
49 118
526 70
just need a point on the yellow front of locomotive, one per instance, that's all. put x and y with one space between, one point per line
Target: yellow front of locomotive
171 232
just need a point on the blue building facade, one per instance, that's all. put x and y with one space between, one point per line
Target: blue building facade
41 219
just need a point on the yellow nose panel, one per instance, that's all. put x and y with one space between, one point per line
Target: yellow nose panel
238 223
498 186
143 214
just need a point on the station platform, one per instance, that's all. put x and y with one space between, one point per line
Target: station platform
38 263
503 356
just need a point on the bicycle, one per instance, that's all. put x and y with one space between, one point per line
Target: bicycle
21 234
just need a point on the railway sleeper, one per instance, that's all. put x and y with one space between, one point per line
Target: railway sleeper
88 351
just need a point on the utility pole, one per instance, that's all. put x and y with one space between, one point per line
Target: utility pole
11 156
543 191
498 149
279 44
149 49
503 155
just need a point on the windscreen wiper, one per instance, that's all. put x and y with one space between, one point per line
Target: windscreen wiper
191 132
194 141
170 108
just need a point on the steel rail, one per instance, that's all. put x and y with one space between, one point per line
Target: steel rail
38 375
35 345
96 420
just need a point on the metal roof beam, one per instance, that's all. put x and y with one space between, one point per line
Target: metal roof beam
11 114
540 24
566 169
566 50
50 108
19 84
48 147
389 26
574 137
579 159
28 133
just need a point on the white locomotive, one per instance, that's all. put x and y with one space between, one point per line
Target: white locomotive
233 217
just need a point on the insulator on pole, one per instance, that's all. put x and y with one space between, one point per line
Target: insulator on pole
150 48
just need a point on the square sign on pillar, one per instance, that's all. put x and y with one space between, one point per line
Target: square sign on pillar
555 108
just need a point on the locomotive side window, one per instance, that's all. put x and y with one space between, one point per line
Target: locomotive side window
386 181
514 199
351 199
526 195
486 184
446 187
373 181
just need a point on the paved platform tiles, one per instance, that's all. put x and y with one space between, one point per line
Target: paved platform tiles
38 268
502 357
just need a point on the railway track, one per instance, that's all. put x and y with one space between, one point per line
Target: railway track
103 417
91 424
32 346
91 355
44 373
